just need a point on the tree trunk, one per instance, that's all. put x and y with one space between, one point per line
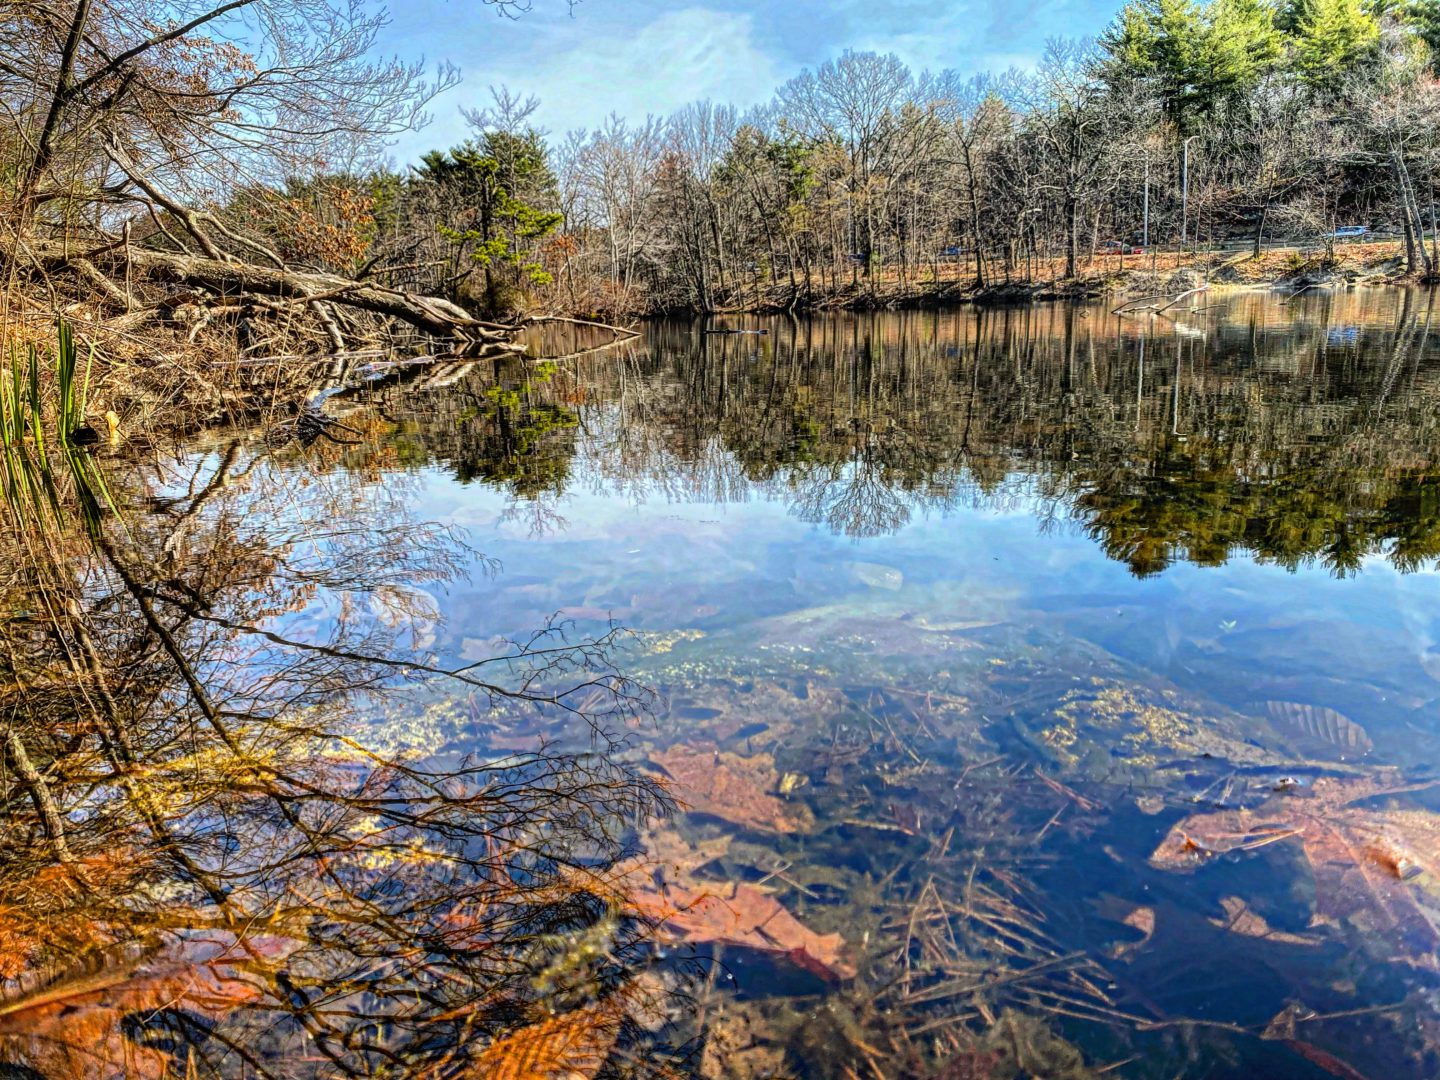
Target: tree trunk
1416 257
432 314
60 97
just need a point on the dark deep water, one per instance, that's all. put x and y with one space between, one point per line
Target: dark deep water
1082 673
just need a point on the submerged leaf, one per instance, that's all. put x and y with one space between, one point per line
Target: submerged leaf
1241 919
572 1046
1372 866
733 788
745 916
1138 917
75 1025
1321 723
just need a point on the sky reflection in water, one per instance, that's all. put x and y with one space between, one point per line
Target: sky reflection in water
1151 560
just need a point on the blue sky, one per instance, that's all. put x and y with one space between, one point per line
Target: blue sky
634 57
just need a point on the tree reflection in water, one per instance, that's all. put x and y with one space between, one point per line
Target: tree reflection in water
208 868
211 867
1262 426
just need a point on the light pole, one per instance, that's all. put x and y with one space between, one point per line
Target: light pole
1028 222
1185 188
1145 235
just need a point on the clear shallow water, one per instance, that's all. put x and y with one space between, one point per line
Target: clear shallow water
1069 667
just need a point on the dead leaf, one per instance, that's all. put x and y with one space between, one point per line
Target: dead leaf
678 858
745 916
733 788
1283 1029
660 887
1325 1060
71 1027
1139 917
571 1046
1240 919
1321 723
1373 868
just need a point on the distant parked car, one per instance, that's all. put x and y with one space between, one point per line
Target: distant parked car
954 251
1115 247
1350 232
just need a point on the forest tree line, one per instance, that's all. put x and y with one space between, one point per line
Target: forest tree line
1299 117
1282 446
220 170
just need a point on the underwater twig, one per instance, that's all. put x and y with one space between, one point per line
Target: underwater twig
1053 818
959 987
1069 792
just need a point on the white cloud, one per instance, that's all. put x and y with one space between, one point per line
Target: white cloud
678 57
639 57
682 56
970 37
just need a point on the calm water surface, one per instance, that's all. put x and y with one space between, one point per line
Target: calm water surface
1082 673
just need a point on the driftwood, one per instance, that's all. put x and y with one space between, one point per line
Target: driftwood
228 285
360 332
1138 304
1306 288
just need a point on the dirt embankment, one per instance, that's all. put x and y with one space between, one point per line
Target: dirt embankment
1102 275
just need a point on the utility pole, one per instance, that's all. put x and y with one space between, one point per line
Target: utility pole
1185 188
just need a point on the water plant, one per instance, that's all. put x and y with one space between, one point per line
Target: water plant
30 461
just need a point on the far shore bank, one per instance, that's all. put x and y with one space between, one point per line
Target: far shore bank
1103 276
220 391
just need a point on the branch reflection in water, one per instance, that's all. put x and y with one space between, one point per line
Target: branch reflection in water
1255 426
216 863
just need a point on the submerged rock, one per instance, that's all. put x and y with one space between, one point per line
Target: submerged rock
875 575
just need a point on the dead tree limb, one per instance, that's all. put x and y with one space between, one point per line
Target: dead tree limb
431 314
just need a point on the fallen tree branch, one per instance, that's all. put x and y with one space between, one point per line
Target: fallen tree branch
621 333
431 314
533 320
1173 298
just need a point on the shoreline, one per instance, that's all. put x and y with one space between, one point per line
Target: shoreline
1276 268
219 395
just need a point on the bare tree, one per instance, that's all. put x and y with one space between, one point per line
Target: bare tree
1394 107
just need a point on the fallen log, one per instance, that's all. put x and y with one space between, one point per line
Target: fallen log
430 314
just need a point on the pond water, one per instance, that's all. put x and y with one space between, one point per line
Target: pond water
1047 692
984 605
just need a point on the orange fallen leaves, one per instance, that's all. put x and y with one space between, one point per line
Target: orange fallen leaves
571 1046
1373 867
72 1027
1241 919
37 917
1138 917
733 788
661 888
744 916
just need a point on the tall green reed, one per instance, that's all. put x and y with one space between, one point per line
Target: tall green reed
30 475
